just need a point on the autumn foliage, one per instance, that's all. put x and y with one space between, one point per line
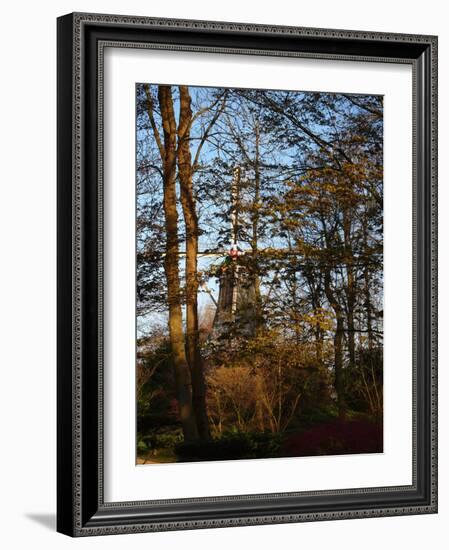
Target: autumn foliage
259 273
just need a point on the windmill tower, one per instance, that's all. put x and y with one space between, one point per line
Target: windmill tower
236 305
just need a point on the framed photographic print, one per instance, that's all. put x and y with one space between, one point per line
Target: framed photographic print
246 274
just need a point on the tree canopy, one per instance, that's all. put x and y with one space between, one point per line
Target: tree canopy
305 216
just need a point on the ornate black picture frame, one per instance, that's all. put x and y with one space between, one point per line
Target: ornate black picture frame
81 509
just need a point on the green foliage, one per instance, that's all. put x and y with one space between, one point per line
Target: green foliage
364 382
141 446
167 440
316 415
156 400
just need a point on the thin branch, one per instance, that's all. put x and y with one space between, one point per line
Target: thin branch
316 139
144 166
208 108
150 111
208 129
362 106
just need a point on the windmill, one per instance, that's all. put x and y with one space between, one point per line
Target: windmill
236 303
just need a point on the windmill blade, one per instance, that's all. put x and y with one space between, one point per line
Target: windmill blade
206 253
207 290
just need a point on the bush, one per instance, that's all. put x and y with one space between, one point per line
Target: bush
312 416
231 447
162 441
265 445
142 447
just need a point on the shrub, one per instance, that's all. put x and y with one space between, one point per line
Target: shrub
162 441
142 446
231 447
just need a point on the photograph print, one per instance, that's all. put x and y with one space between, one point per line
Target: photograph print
259 273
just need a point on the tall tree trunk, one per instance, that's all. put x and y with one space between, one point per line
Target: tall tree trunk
350 289
255 230
338 358
191 264
339 383
376 400
295 315
367 291
314 291
182 371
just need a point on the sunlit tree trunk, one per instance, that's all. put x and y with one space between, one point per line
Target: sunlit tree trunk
182 371
255 229
191 263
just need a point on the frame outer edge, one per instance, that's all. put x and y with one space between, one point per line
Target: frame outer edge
65 270
433 305
232 26
69 508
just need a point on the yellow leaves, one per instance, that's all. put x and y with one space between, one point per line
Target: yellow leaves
345 185
320 318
